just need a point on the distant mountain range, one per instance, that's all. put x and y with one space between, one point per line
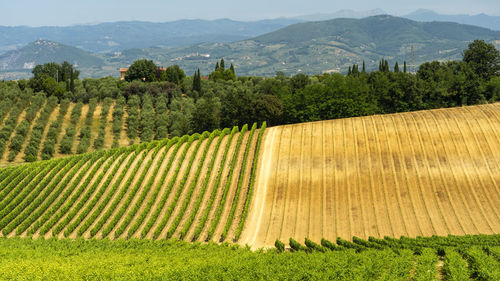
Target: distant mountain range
42 51
308 47
482 20
118 36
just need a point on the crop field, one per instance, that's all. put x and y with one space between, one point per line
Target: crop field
432 258
422 173
193 188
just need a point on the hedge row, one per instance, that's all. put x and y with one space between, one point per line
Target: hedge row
185 204
172 205
220 208
211 201
229 221
165 195
251 184
204 187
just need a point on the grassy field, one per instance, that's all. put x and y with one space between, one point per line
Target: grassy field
422 173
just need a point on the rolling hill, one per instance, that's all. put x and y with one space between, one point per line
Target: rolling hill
482 20
414 174
310 48
119 36
327 46
44 51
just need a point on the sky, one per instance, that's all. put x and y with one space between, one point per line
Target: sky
70 12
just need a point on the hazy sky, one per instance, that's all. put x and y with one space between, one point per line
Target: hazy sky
69 12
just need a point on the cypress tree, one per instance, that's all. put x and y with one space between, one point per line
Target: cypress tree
396 67
404 67
364 68
386 66
232 69
222 65
217 66
197 81
380 65
349 71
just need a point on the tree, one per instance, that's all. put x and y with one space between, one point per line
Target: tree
173 74
404 67
197 81
206 115
396 67
484 58
144 70
364 68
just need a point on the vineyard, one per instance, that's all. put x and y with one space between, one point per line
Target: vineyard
195 188
422 173
432 258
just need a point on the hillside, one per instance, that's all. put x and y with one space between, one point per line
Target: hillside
422 173
119 36
333 45
192 188
310 48
414 174
482 20
44 51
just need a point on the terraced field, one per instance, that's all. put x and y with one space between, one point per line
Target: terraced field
193 188
414 174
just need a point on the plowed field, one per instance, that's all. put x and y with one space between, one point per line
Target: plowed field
423 173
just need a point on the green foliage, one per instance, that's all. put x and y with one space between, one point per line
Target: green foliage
133 117
227 185
454 267
296 246
147 122
280 246
144 70
118 119
484 58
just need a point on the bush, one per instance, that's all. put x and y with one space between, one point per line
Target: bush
280 246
